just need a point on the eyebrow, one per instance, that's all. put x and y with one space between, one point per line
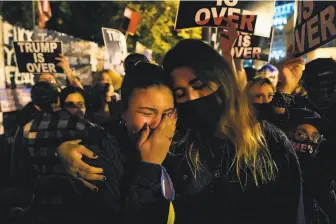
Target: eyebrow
191 82
168 109
148 108
194 81
153 109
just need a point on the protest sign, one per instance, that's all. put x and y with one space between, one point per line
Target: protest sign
315 25
79 53
250 46
115 44
82 57
141 49
38 57
254 17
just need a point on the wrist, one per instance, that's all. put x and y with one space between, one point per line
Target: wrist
282 100
68 71
285 90
151 161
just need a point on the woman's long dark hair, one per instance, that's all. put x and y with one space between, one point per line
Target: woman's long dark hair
238 123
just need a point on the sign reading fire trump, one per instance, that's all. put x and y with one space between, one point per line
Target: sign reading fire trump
315 25
250 46
254 17
37 57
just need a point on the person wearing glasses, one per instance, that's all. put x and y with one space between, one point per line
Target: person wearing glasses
306 131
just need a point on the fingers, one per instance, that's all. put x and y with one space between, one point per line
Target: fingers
91 176
231 24
92 187
166 119
86 152
77 141
289 50
170 125
80 165
144 133
293 62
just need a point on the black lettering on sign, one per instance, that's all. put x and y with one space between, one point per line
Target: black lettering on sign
115 44
316 25
38 57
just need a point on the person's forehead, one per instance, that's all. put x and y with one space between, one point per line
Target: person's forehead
153 97
74 97
260 86
183 75
46 75
306 127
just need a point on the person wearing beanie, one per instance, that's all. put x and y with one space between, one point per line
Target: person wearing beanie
319 79
271 72
306 130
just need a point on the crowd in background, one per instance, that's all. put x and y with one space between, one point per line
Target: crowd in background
200 139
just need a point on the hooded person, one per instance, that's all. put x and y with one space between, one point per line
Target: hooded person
319 78
45 174
306 131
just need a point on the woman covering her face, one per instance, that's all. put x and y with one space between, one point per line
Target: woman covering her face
225 166
144 133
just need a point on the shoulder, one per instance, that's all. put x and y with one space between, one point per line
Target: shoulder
278 144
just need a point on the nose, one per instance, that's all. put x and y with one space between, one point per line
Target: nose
267 99
310 137
192 95
155 121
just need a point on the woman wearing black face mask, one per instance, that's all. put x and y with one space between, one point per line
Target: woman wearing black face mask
228 166
306 133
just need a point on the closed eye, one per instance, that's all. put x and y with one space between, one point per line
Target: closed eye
199 86
146 114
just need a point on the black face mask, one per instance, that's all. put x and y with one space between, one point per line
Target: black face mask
305 149
202 114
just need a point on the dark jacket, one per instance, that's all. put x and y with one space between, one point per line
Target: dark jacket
218 196
320 173
41 137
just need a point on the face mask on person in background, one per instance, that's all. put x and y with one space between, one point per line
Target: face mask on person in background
306 151
76 110
323 94
202 114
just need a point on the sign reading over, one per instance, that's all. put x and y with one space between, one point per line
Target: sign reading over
315 25
38 57
250 46
254 17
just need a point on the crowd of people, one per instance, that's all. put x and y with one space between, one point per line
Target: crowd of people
200 139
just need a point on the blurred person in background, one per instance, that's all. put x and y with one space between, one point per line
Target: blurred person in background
28 112
260 90
104 104
74 100
306 129
271 72
132 59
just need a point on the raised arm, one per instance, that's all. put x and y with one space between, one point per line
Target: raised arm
70 75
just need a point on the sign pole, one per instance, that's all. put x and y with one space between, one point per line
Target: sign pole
126 35
33 13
